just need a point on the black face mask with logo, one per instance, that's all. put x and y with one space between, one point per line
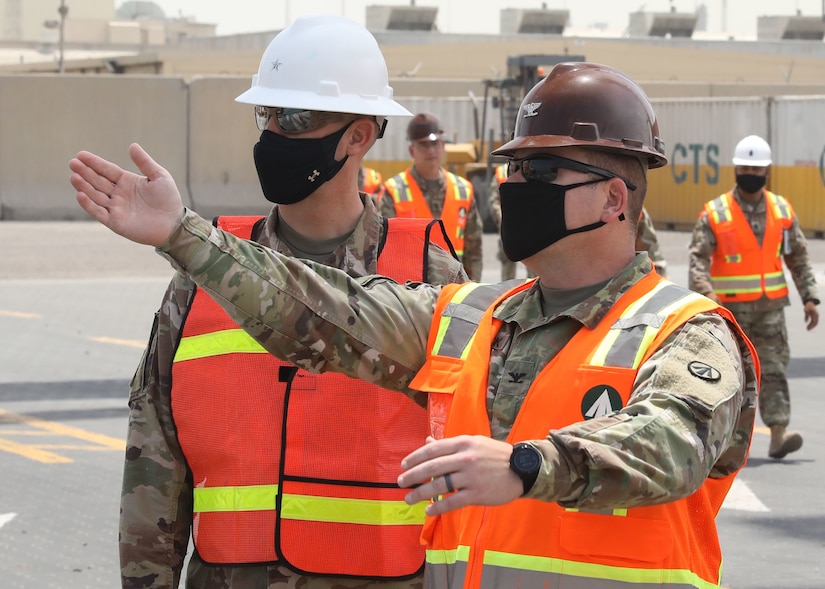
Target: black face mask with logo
532 216
290 169
750 183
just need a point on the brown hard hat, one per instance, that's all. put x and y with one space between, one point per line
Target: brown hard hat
424 125
588 105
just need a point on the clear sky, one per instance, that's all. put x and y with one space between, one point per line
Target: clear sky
480 16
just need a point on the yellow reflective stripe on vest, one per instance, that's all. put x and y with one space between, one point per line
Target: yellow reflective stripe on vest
400 191
630 336
587 572
460 554
351 511
737 284
307 507
719 210
781 207
248 498
229 341
460 336
775 281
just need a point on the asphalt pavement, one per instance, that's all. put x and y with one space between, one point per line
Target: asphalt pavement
76 305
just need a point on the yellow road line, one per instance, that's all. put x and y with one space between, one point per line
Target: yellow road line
19 315
762 430
32 452
106 442
120 342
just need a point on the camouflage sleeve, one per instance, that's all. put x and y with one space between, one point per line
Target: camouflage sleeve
443 268
495 202
647 240
799 263
677 429
473 243
310 315
702 246
386 206
156 497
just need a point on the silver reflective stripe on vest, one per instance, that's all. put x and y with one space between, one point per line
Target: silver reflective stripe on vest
631 335
462 315
569 574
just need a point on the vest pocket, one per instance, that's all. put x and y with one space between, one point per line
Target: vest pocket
632 538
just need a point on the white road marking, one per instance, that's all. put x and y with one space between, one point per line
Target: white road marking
740 497
6 518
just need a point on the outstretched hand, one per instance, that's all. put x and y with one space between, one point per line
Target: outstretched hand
145 209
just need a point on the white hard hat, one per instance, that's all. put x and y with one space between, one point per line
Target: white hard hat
324 62
752 151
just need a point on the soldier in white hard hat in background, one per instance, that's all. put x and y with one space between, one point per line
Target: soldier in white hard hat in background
281 475
736 254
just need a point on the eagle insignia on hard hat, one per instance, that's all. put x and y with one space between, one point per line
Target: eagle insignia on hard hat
531 109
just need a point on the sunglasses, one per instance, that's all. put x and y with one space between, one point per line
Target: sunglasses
545 168
294 121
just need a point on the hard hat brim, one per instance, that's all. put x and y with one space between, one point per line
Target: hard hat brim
360 105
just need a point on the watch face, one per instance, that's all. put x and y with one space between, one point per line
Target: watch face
526 459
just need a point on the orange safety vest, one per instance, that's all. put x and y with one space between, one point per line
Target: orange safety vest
292 467
533 544
410 202
501 173
741 270
372 181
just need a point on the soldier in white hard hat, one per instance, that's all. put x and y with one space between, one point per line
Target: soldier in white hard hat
739 243
284 477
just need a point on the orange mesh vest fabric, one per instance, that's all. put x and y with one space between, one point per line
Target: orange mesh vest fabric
293 467
410 203
740 269
534 544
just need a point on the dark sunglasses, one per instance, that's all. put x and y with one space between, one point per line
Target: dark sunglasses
293 121
545 168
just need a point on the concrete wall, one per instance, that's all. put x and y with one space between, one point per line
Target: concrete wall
46 120
205 140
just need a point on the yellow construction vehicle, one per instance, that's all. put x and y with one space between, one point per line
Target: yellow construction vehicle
472 160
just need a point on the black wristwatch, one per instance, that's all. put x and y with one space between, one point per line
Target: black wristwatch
525 461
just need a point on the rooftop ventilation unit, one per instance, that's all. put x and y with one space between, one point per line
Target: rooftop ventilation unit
662 24
541 22
808 28
401 18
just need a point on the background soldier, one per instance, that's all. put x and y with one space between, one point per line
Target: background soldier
736 254
427 189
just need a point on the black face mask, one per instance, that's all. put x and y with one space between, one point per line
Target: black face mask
532 216
750 183
290 169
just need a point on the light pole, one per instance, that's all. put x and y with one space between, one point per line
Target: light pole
63 11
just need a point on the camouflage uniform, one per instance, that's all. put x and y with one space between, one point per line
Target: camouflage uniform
156 504
763 320
647 241
434 192
376 330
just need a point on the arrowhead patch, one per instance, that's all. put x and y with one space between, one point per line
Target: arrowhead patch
704 371
600 400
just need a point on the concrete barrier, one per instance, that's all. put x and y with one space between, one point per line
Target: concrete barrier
46 120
